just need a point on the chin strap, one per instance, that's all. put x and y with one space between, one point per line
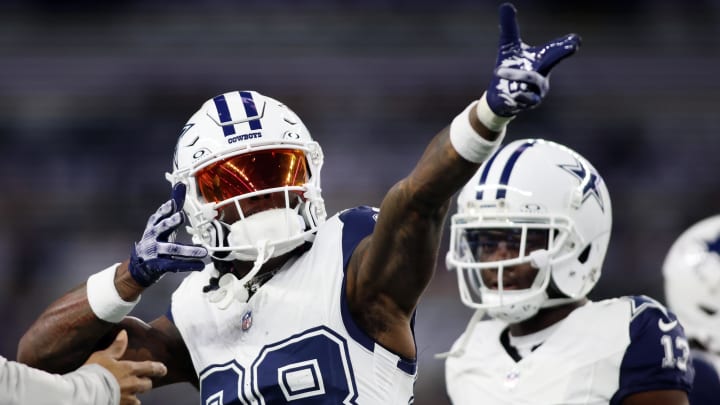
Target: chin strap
460 349
231 289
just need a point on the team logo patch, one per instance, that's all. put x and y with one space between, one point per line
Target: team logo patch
512 378
246 321
713 246
593 183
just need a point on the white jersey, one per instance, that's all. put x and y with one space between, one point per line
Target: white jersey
295 339
601 353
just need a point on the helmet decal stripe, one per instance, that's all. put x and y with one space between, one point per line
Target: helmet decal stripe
250 109
507 170
224 114
486 170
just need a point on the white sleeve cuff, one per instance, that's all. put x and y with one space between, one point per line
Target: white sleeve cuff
468 143
104 299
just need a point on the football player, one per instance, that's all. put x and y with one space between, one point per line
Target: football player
691 272
527 243
291 307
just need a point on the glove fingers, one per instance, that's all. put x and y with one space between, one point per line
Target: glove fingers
527 100
178 196
167 226
509 30
180 251
533 79
555 51
162 212
174 266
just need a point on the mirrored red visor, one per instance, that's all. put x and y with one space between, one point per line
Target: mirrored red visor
252 172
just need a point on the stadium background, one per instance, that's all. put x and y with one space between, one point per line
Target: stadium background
92 98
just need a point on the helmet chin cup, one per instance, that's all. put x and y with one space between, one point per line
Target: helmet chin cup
281 227
513 309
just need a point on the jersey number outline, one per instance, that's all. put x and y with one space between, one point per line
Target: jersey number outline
308 368
670 360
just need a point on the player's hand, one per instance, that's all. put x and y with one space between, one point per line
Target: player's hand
157 253
132 376
522 72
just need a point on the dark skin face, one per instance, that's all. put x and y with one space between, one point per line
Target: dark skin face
501 244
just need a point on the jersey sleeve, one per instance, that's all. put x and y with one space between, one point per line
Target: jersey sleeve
89 385
658 356
706 384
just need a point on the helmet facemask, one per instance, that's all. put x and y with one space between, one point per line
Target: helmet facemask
491 255
262 196
530 191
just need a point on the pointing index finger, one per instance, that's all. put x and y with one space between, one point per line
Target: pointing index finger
509 30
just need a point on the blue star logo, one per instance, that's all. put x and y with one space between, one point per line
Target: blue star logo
592 187
713 246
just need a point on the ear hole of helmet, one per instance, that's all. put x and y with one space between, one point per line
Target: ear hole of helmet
553 291
708 311
582 258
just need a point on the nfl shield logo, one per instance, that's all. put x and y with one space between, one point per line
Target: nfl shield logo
511 378
246 322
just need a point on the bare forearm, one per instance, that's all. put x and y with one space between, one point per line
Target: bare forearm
64 335
68 330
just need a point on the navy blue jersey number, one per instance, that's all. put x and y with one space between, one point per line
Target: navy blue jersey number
309 368
222 385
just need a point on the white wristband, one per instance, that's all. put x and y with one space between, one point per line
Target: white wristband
488 118
104 299
468 143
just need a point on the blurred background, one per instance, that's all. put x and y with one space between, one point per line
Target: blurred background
93 96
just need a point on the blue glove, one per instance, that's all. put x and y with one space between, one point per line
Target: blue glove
522 72
157 253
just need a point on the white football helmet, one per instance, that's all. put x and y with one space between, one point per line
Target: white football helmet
252 173
692 281
552 206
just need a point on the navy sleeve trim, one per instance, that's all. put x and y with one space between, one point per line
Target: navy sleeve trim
358 223
657 357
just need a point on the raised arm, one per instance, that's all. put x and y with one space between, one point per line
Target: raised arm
88 317
391 268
